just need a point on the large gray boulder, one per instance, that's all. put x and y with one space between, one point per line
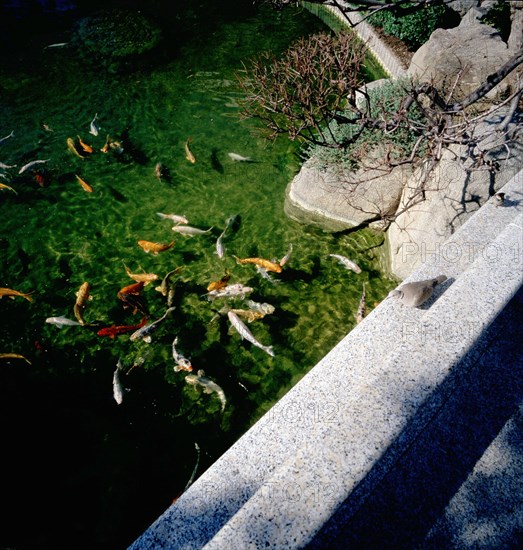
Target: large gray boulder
472 50
336 201
457 188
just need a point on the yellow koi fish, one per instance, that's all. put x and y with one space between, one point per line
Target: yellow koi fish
84 184
8 356
12 293
188 153
72 147
260 262
81 301
222 283
4 186
154 248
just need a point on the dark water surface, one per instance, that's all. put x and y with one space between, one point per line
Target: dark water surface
78 469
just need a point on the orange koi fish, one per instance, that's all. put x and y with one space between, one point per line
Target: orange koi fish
105 148
114 330
84 146
188 153
12 293
81 301
154 248
260 262
4 186
72 147
135 288
222 283
84 184
146 278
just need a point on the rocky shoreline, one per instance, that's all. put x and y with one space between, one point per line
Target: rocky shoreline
458 188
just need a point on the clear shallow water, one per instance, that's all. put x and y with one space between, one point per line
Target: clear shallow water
112 469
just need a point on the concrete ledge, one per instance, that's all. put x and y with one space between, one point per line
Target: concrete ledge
341 429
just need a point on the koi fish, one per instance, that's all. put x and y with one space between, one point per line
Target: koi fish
12 293
8 136
176 218
82 296
360 314
180 362
32 163
189 230
93 127
220 249
264 308
135 288
165 285
39 178
6 166
72 147
244 332
208 385
56 45
247 314
115 330
4 186
265 264
221 284
145 332
286 258
345 262
61 321
158 170
8 356
118 389
85 186
188 153
105 148
146 278
239 158
155 248
84 146
230 291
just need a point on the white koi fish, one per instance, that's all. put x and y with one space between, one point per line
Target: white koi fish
208 385
32 163
145 332
118 389
93 127
181 362
230 291
189 230
176 218
239 158
345 262
8 136
220 249
62 321
57 45
244 332
286 258
6 166
264 308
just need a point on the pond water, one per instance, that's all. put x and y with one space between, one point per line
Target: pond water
76 465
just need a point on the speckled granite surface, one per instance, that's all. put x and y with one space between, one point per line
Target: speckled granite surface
333 440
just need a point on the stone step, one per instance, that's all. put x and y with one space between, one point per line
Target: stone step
382 409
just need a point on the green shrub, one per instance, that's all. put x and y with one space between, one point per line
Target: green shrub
385 101
414 29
